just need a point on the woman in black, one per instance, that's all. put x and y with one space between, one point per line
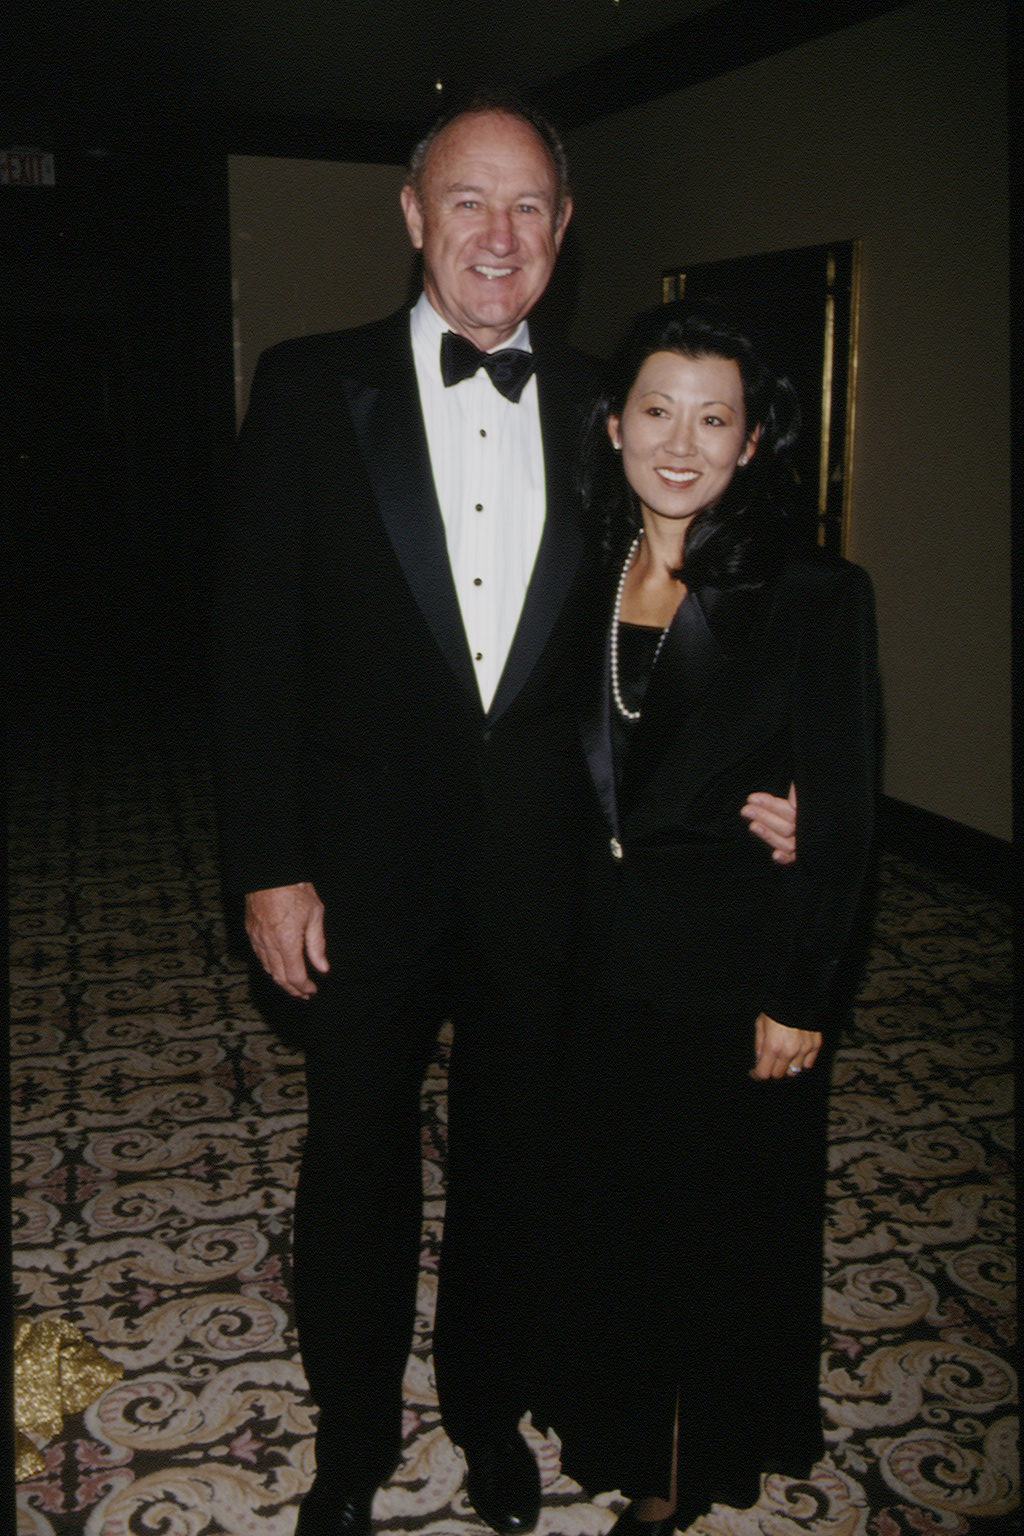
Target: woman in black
686 1307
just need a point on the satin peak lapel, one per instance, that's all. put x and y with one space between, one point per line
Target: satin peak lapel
389 426
595 726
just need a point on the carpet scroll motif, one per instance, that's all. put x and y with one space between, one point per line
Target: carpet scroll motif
157 1127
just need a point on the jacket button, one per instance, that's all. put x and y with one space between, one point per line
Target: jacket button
616 848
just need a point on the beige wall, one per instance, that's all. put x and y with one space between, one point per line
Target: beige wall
315 246
894 132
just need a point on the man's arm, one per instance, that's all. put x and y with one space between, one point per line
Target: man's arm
774 822
257 636
285 925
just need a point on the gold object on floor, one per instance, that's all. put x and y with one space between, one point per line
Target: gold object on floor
56 1371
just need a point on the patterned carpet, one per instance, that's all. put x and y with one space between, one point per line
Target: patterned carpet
157 1127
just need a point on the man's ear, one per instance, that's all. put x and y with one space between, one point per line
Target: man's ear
413 211
564 215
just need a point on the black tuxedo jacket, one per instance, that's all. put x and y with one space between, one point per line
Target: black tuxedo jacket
352 748
751 690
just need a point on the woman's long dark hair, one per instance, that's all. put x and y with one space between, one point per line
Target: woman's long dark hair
739 541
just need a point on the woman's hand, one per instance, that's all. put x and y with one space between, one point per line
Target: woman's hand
781 1051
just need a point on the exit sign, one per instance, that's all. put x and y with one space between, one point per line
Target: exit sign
26 168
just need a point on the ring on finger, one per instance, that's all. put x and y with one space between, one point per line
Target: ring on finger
792 1070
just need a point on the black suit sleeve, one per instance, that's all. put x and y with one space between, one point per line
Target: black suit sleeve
257 643
834 740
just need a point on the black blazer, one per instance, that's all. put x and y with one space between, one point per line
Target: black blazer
751 691
351 746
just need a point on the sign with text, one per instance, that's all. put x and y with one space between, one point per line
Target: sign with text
26 168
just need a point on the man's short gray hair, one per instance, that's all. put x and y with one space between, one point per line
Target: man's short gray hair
511 104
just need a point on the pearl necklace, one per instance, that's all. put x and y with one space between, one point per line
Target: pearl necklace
627 714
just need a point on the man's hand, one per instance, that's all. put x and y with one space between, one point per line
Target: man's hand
774 822
285 925
781 1051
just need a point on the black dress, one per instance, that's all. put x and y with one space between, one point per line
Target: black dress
687 1258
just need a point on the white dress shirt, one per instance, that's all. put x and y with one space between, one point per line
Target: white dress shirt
488 465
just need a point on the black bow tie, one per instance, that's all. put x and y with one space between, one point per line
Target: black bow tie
509 369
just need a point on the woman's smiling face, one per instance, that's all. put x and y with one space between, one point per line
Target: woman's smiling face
683 433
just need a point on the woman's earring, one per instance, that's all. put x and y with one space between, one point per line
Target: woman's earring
617 447
741 461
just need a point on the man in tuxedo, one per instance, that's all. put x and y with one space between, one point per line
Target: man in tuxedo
401 791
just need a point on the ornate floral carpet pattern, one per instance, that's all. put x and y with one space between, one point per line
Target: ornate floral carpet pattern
157 1128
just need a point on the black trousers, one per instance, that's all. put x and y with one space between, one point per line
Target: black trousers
358 1207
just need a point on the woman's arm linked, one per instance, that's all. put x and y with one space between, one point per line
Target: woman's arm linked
834 743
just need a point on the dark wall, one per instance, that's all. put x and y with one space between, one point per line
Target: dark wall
116 408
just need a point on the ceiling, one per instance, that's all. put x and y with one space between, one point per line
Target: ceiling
370 67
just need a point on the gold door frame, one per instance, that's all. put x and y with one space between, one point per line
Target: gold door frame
807 301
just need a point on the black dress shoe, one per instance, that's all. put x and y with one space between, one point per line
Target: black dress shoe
628 1525
503 1484
327 1511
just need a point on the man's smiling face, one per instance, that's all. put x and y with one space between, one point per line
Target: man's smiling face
489 224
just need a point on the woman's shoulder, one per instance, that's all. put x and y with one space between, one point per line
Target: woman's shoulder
815 574
822 592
